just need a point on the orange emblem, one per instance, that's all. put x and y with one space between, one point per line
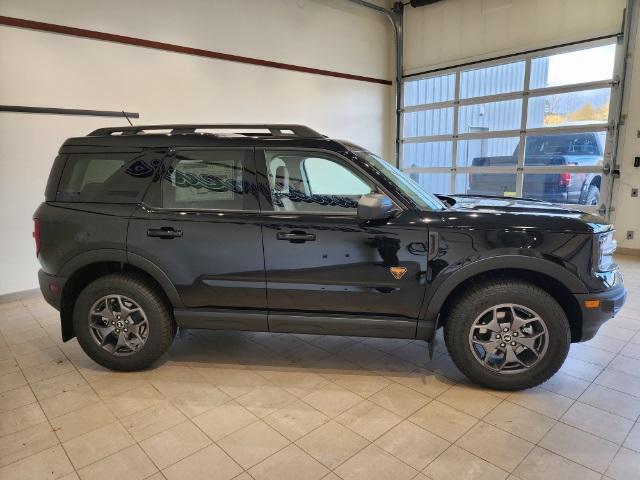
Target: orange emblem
398 272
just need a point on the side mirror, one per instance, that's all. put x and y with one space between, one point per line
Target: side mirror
375 206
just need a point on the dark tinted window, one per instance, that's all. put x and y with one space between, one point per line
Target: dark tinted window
104 178
212 180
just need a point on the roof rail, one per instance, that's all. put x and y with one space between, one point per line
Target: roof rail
275 130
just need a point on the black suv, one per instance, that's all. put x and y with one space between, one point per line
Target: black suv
278 228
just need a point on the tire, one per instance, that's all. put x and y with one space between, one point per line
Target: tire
469 310
154 319
593 196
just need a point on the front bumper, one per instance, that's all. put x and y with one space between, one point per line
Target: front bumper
611 301
51 287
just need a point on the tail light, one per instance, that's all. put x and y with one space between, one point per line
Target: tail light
565 179
36 234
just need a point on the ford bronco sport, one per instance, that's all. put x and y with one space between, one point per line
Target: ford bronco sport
278 228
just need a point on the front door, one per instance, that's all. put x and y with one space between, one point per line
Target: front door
200 226
319 258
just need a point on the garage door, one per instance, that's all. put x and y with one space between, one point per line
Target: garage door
535 126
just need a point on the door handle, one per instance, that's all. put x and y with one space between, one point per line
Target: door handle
296 237
164 232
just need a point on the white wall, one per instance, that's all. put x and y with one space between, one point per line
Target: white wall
455 31
44 69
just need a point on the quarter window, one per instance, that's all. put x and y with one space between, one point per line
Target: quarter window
105 178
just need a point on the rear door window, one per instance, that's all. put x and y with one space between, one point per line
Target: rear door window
209 180
104 178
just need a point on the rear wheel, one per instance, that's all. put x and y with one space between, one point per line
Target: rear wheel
122 323
507 334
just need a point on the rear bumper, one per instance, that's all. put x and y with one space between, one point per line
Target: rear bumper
611 301
51 287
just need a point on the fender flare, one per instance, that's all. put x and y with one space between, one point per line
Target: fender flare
429 322
122 257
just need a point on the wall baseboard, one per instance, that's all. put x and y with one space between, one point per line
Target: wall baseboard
22 295
629 251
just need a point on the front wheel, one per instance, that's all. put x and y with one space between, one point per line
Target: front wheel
122 322
507 334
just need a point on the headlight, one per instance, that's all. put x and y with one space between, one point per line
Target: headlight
605 248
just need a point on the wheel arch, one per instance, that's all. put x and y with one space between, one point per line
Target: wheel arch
90 266
553 278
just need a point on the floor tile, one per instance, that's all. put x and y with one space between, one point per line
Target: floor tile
622 382
18 397
542 401
424 381
10 381
566 385
520 421
223 420
625 465
135 400
332 399
252 444
211 462
69 401
265 400
580 447
296 420
50 464
497 447
191 398
26 442
598 422
363 383
611 401
542 464
332 444
469 399
368 420
21 418
412 444
174 444
289 464
145 424
399 399
131 463
443 420
456 463
97 444
633 439
81 421
373 463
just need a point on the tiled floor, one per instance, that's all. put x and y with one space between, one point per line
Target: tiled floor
241 405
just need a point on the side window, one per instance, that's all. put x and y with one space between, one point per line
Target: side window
311 182
212 180
104 178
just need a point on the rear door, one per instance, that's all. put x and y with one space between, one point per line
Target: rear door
199 224
320 258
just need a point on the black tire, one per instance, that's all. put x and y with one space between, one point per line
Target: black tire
593 196
161 330
477 299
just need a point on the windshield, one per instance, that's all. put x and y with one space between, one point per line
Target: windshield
410 188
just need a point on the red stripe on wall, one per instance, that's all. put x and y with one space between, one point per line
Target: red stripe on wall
169 47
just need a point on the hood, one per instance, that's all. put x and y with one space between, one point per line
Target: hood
486 212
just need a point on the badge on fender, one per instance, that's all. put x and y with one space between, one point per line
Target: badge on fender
398 272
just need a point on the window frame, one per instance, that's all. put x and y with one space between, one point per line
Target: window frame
609 127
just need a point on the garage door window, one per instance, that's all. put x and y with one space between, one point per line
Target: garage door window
534 126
